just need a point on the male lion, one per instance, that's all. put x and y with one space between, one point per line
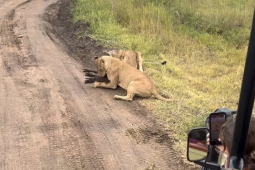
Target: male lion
127 77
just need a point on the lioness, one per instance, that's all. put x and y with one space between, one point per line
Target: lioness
130 57
127 77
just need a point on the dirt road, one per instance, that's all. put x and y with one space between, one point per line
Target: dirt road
50 120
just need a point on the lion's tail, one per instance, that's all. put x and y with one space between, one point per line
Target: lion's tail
162 98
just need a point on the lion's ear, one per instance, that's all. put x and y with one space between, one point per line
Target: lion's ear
121 55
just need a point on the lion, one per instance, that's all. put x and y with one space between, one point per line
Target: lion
130 57
124 75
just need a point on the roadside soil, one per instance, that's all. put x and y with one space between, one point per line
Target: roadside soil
50 119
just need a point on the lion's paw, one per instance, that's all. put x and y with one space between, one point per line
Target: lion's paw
95 84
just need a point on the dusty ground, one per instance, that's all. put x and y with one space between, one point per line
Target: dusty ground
49 119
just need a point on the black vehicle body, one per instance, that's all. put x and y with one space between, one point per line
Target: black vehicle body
244 112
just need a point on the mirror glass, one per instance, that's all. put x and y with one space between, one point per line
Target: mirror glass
216 120
197 146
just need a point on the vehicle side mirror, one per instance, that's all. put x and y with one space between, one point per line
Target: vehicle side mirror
197 148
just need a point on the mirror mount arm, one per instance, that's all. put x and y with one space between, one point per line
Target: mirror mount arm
209 165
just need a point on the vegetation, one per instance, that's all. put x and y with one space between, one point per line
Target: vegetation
203 41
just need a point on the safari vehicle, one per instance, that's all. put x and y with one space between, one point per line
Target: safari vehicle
206 156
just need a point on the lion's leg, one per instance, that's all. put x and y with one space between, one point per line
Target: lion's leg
128 97
131 91
111 85
105 85
140 88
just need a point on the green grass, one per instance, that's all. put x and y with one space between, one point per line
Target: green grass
203 42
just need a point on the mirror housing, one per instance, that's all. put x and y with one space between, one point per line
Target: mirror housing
197 148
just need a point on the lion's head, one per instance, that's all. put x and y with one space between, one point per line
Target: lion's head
101 65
